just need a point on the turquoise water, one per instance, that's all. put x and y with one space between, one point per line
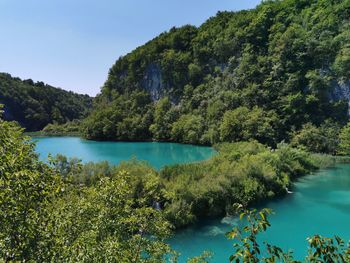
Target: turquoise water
157 154
319 204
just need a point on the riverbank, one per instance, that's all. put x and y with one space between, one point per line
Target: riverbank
327 161
70 128
52 134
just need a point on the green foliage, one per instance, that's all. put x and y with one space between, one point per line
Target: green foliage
204 258
245 172
90 173
106 223
328 249
248 249
323 139
164 116
342 63
128 117
66 167
28 188
188 129
344 137
243 124
259 75
35 105
68 128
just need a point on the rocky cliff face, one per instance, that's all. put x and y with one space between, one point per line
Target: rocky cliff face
153 83
341 91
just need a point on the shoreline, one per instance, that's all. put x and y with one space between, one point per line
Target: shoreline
321 162
43 134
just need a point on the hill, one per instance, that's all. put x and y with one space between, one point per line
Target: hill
255 74
34 105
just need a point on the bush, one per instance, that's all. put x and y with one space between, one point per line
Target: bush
344 144
323 139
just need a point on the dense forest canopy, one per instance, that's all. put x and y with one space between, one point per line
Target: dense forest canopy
34 105
257 74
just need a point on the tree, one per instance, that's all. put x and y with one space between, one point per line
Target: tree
35 105
106 223
188 129
247 249
164 116
342 63
28 187
344 140
244 124
323 139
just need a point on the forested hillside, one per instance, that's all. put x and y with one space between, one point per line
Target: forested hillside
270 74
34 105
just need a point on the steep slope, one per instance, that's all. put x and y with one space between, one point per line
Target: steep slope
256 74
34 105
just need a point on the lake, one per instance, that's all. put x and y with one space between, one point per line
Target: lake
319 204
156 153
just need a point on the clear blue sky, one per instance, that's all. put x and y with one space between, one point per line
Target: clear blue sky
72 43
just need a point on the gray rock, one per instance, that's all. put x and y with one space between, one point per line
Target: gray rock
153 83
341 91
